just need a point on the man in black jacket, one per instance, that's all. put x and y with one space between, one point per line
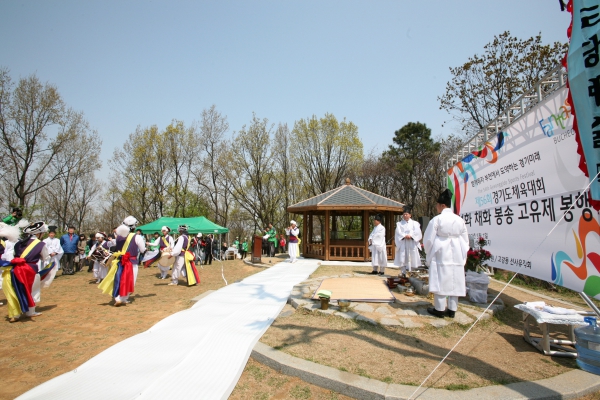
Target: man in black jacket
208 250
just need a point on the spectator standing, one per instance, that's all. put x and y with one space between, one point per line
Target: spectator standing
208 257
53 246
282 243
81 247
69 242
272 240
14 217
244 248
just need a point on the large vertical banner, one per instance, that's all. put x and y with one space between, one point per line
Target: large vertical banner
584 82
516 188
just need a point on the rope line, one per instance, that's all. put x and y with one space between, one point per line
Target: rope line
502 290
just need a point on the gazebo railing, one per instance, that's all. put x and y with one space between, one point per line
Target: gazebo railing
346 252
315 250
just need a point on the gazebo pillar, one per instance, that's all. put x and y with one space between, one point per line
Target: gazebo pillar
306 223
366 233
327 227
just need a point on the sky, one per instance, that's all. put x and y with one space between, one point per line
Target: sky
379 64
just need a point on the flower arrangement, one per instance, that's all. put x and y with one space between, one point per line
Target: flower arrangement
476 258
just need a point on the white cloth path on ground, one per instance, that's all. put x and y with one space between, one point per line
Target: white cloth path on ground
215 338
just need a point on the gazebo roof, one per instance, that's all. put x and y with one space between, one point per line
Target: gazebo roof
347 197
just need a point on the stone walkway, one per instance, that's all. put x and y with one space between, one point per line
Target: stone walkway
405 311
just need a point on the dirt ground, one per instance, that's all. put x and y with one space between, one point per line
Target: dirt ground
493 352
78 322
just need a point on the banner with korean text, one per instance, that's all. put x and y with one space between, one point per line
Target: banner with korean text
515 188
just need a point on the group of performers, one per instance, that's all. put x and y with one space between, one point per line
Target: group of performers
445 242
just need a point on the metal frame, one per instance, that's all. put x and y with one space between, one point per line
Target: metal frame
556 79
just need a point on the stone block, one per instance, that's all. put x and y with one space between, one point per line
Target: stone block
363 318
389 322
383 310
409 323
347 315
438 322
364 308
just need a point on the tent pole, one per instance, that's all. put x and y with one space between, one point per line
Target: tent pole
590 303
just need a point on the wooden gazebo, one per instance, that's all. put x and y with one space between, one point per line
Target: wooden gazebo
336 224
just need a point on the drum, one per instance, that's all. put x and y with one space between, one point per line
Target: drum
165 261
101 255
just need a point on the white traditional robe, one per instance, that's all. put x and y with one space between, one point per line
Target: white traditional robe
164 270
179 264
407 250
53 246
378 253
446 243
293 247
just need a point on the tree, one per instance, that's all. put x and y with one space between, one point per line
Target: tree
209 174
35 129
483 87
410 155
326 151
252 172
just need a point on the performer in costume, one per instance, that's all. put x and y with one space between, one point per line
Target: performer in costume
100 270
293 232
153 253
184 260
407 237
446 243
54 248
377 246
166 244
23 279
121 277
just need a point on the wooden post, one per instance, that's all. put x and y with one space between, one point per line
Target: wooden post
304 233
366 234
326 235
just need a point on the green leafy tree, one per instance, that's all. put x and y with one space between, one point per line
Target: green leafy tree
326 152
484 86
410 154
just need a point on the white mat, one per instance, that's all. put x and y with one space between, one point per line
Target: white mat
198 353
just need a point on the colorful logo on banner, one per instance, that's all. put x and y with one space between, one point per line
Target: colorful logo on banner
460 173
587 225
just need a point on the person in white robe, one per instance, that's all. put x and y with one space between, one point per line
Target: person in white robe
377 247
179 252
99 270
54 248
446 243
293 232
407 239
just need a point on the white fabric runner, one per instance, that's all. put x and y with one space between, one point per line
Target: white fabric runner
198 353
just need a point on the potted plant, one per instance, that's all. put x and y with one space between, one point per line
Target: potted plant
477 279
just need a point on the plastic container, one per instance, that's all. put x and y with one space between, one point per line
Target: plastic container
587 343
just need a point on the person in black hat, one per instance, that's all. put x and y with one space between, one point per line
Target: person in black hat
377 246
446 243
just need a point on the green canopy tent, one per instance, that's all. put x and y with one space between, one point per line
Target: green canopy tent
195 225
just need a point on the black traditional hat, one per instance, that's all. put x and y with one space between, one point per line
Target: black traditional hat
445 198
379 217
52 228
407 210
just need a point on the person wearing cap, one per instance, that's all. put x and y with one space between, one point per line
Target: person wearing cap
446 243
122 274
407 237
54 248
293 232
100 270
377 247
182 265
24 270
